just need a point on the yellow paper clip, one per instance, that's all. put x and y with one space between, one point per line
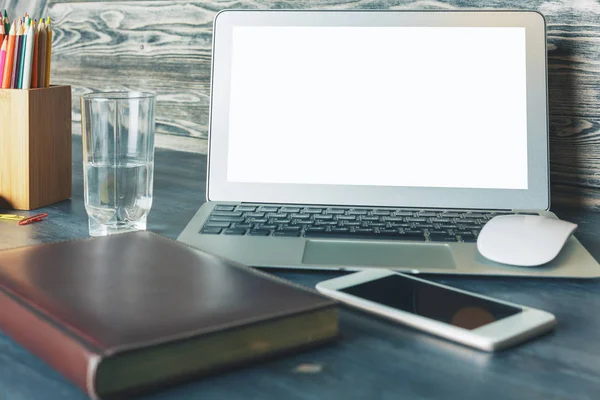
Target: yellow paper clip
23 220
11 217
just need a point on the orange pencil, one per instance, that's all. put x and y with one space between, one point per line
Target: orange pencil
34 64
10 54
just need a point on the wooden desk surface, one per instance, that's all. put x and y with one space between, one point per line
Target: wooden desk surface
374 359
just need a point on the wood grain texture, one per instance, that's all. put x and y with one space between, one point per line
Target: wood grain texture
162 47
374 359
50 127
165 47
18 8
14 159
35 147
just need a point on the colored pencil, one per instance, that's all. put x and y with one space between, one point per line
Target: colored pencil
26 83
3 57
48 52
42 37
22 58
6 22
10 51
34 62
17 56
27 52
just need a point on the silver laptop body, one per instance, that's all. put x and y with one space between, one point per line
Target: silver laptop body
356 139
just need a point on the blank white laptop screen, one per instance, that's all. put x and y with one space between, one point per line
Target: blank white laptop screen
385 106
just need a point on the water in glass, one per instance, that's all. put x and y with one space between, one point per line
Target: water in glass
118 157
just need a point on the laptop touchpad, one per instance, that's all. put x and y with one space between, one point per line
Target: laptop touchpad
378 254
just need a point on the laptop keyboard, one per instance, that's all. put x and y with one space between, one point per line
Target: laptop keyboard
353 223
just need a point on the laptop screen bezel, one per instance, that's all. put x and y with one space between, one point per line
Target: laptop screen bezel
536 197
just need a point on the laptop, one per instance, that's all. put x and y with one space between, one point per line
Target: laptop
359 139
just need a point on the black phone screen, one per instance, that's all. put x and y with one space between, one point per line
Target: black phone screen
431 301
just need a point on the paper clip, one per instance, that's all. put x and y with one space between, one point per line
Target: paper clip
33 218
11 217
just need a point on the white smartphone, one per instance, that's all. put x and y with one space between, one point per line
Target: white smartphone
464 317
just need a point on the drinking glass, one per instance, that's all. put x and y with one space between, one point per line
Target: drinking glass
118 160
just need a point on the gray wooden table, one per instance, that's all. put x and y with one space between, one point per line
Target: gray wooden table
374 359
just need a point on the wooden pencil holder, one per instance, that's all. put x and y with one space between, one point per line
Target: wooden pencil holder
35 147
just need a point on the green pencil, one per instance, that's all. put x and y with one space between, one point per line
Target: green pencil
6 23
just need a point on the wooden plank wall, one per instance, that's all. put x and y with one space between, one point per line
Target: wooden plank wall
20 7
164 46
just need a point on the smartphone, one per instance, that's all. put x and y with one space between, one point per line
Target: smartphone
464 317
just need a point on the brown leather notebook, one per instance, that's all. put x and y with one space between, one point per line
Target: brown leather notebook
124 314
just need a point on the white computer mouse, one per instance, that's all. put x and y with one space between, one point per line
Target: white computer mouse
523 240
